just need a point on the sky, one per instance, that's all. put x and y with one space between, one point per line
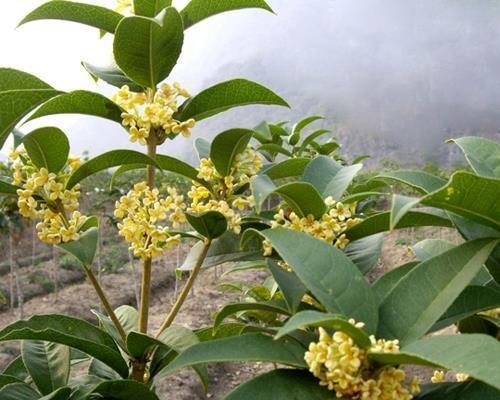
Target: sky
404 74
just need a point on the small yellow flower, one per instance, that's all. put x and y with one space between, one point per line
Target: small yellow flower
438 376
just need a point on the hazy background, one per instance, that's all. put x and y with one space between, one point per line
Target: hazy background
392 77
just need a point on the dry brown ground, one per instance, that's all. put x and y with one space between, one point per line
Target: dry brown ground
78 299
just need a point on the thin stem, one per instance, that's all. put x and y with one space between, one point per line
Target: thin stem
185 290
146 270
105 302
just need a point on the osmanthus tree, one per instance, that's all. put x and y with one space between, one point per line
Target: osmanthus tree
123 356
316 314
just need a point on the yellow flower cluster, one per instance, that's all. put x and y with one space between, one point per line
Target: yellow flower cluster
146 115
141 211
43 195
493 313
343 367
224 196
439 376
330 227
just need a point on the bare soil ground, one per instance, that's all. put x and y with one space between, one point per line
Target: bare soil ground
78 298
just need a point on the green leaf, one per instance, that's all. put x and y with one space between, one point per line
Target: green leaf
384 285
436 283
80 102
262 187
249 347
337 322
210 224
365 252
20 93
400 206
47 363
287 168
299 126
302 198
84 248
113 158
339 184
88 14
139 344
231 309
124 390
7 188
481 154
48 148
470 390
18 391
472 300
7 380
429 248
150 8
292 288
469 354
380 222
16 369
71 332
198 10
273 149
320 172
202 147
146 49
328 273
63 393
111 75
419 180
227 95
226 146
471 196
282 384
311 137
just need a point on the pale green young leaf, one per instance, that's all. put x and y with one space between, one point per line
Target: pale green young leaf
282 384
482 154
80 102
226 146
88 14
226 95
47 363
198 10
328 274
71 332
436 283
146 49
47 148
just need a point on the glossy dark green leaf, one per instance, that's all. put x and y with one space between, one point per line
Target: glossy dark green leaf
63 393
124 390
8 379
20 93
311 137
302 198
384 285
7 188
71 332
469 354
16 368
328 274
113 158
88 14
150 8
419 180
287 168
365 252
18 391
80 102
482 154
337 322
250 347
111 75
226 146
470 390
436 283
84 248
48 148
299 126
290 285
47 363
470 196
146 49
381 222
231 309
273 149
210 224
198 10
282 384
227 95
